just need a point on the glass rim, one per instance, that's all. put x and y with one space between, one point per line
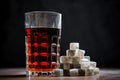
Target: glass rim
50 12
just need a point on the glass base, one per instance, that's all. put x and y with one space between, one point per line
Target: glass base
32 73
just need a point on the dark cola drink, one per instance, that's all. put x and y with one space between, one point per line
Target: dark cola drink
42 48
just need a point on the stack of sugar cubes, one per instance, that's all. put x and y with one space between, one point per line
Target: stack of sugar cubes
75 63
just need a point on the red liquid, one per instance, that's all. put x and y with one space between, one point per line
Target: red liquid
41 48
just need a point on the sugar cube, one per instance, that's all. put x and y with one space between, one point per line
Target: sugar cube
71 53
87 57
84 60
81 53
93 64
66 72
85 65
76 60
77 66
66 66
73 72
65 59
81 72
58 72
96 70
74 45
89 72
63 65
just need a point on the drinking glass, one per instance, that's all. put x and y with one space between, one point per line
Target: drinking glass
42 42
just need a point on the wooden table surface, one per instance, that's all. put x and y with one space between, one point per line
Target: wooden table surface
20 74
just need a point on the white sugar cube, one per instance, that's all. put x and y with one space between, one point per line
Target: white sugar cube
58 72
81 53
96 70
76 60
84 60
89 72
74 72
66 66
65 59
74 45
85 65
93 64
71 53
78 52
81 72
66 72
87 57
77 66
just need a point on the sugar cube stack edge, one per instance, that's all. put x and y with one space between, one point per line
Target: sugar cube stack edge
75 63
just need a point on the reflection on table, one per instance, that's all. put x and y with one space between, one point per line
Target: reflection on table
65 78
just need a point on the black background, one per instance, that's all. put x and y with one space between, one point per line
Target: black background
93 23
